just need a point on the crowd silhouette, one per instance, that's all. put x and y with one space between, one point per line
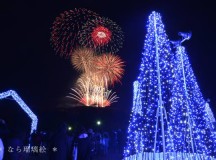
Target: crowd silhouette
80 143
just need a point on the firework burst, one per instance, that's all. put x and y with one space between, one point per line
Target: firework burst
102 34
95 79
83 91
82 59
110 67
65 28
92 93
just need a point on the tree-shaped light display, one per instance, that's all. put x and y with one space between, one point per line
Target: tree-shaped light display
168 119
190 121
148 130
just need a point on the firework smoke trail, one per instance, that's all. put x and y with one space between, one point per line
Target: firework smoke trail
64 34
102 34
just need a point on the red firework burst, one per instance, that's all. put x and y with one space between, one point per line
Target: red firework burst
102 34
110 67
65 28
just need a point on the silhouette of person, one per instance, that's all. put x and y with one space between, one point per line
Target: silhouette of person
59 149
83 145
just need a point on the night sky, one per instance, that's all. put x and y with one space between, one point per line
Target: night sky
29 65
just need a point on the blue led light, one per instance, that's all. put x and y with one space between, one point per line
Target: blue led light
22 104
169 118
151 92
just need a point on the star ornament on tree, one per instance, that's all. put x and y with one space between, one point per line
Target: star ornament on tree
101 35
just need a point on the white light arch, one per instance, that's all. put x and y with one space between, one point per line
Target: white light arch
22 104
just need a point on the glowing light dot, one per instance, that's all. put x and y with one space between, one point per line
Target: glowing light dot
98 123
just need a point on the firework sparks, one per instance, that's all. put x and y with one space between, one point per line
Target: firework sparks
102 34
92 93
83 92
82 59
83 36
65 28
96 79
110 67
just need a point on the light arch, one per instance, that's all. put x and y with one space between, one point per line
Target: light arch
23 105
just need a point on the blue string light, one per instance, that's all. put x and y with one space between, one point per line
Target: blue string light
192 128
168 117
22 104
155 64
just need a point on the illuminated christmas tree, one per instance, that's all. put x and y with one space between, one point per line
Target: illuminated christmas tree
191 118
168 119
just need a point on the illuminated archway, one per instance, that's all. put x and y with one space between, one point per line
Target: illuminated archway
22 104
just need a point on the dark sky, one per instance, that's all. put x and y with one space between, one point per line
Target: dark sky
28 63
